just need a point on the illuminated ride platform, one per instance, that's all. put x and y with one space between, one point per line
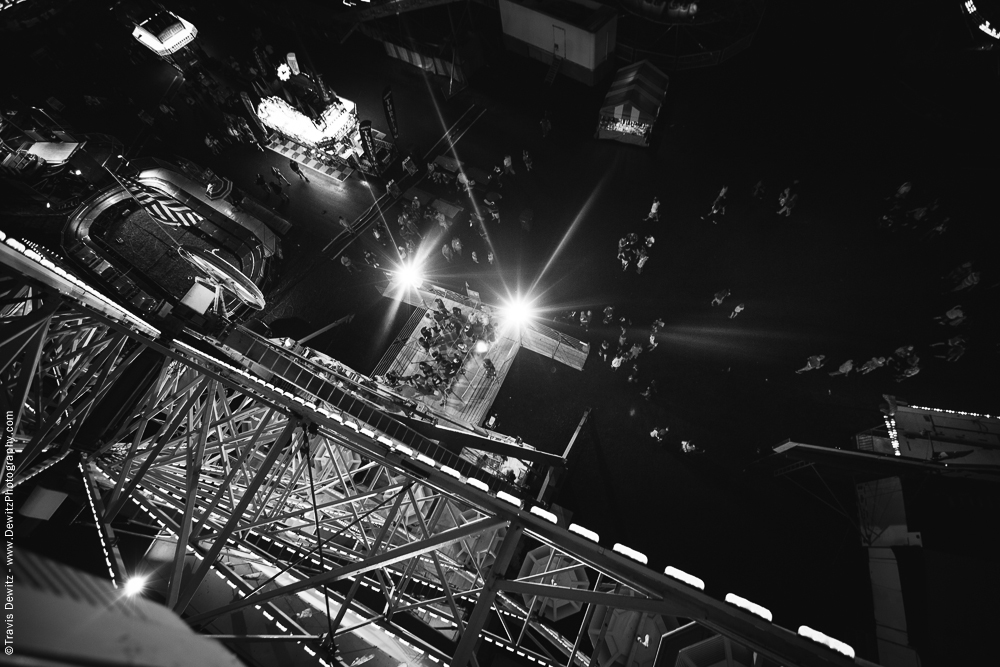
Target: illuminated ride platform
471 394
330 144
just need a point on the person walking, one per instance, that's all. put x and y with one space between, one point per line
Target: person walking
954 317
475 259
720 296
652 342
659 433
616 363
348 264
718 206
297 170
633 376
650 391
871 364
844 369
508 165
654 211
546 126
276 189
758 190
526 158
278 176
456 245
489 257
346 225
446 251
813 363
787 201
262 184
736 311
603 350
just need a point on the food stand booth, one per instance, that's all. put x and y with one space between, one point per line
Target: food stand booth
632 104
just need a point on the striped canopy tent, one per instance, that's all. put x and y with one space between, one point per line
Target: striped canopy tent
633 103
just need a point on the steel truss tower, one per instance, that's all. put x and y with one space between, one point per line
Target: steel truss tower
289 527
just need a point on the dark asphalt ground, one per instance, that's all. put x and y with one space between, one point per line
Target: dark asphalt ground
850 106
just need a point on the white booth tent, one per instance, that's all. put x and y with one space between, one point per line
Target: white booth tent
633 103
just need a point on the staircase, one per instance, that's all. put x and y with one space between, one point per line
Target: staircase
553 70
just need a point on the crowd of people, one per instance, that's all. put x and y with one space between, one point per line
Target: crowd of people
447 342
905 361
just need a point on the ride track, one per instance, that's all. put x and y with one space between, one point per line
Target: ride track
235 469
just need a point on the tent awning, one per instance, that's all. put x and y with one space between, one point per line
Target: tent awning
636 93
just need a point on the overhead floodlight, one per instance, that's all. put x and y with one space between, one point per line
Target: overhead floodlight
688 579
410 275
478 484
134 586
628 552
751 607
508 498
826 640
584 532
545 514
517 311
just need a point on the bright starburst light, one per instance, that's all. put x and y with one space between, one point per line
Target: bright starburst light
410 275
135 585
517 311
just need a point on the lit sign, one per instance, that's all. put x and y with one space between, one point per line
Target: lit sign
293 63
173 39
284 72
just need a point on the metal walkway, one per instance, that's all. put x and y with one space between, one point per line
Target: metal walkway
270 503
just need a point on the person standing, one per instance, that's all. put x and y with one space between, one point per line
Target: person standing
526 158
659 433
489 257
616 363
446 251
736 311
297 170
720 296
652 342
278 176
602 351
456 245
508 165
346 225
